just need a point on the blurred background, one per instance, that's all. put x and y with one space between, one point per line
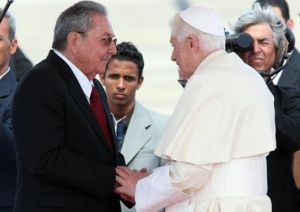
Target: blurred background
143 22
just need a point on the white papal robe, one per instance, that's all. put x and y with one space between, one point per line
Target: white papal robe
217 140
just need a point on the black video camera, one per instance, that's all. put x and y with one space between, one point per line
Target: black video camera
238 43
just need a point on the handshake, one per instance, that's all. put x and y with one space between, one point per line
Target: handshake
126 181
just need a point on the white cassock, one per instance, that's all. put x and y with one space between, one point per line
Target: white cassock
217 141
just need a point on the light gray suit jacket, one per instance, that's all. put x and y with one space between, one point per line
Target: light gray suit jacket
142 135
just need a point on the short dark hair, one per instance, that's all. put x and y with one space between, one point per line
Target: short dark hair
126 51
281 4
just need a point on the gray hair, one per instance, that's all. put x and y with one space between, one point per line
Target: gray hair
260 15
77 18
181 30
11 25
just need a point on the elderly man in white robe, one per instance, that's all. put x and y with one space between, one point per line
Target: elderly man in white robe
219 135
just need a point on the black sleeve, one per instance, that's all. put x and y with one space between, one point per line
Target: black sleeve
287 118
7 147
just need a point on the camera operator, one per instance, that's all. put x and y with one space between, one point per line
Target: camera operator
267 53
290 76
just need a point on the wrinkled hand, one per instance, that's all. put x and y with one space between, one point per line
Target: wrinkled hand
127 179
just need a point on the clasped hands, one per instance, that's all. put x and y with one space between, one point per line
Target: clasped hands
126 181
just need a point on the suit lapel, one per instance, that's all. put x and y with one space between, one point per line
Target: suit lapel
7 84
7 88
137 135
78 95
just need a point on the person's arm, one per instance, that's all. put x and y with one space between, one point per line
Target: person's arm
170 184
296 168
7 147
287 119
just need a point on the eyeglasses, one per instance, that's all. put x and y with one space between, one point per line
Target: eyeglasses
107 40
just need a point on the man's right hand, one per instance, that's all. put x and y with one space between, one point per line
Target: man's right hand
127 179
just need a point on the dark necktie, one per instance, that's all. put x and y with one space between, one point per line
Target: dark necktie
97 107
121 131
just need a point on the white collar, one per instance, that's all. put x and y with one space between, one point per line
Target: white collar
4 73
84 82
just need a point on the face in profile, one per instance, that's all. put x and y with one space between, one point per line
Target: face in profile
181 56
94 48
121 81
7 46
262 56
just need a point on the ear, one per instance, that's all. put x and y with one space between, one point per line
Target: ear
13 46
290 23
140 82
193 43
72 40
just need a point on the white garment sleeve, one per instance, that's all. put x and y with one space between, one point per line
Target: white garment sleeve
188 177
169 184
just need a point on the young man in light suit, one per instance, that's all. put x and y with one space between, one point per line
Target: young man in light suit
142 127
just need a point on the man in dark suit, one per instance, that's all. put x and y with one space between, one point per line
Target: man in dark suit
8 173
290 75
268 36
66 155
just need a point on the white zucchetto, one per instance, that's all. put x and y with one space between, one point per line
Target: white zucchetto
204 19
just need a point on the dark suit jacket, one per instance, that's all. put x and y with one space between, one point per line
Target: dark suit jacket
63 160
19 63
281 186
8 173
290 76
